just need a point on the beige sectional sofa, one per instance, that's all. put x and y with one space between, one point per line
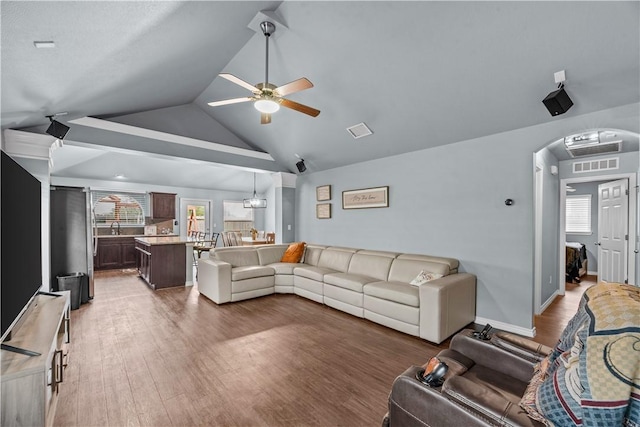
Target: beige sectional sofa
364 283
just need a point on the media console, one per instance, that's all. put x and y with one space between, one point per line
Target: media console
33 361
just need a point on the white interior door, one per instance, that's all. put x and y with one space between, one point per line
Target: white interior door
613 212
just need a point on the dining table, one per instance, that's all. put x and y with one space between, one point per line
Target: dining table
248 241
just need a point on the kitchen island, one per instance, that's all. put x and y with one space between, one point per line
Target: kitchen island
164 261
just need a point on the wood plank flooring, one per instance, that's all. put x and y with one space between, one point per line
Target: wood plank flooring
549 325
173 358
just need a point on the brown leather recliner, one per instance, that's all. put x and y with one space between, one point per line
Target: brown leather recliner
482 387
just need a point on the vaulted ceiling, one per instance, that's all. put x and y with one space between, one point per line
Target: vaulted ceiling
419 74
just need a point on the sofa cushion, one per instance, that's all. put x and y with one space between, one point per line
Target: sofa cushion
310 272
293 253
405 270
399 292
269 254
250 272
283 267
375 266
451 263
354 282
336 259
238 257
312 254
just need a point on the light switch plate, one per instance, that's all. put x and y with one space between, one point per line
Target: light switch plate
289 227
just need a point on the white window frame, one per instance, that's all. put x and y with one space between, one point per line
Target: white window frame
578 215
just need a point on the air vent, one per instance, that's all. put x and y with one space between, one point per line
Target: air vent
596 165
360 130
594 149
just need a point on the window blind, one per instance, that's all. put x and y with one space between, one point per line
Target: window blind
578 214
126 208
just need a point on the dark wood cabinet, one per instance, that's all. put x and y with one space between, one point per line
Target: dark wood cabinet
162 265
115 252
163 205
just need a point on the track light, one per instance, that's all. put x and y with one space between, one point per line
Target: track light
56 128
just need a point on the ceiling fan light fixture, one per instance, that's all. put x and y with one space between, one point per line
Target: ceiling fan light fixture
267 106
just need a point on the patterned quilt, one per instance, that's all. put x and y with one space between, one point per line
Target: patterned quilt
592 378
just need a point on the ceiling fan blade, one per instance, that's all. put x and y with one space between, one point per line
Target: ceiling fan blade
299 107
294 86
230 101
239 82
265 118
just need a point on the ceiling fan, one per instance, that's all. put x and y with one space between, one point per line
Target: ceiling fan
267 97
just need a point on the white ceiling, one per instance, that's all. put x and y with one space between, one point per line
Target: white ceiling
419 74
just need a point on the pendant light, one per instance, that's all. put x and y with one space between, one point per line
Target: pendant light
254 201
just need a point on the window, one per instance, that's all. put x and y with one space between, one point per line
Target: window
237 217
578 214
125 208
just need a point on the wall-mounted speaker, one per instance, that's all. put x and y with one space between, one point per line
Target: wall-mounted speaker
557 102
301 166
57 129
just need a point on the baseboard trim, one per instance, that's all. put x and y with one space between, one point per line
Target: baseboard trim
592 273
189 283
508 327
548 302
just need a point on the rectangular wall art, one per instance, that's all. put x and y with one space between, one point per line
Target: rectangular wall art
323 210
323 193
377 197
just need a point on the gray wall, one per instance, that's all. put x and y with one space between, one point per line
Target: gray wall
449 201
550 225
588 240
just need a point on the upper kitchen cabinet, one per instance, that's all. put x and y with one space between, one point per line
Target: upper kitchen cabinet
163 205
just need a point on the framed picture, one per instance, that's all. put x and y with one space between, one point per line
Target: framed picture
323 210
323 192
377 197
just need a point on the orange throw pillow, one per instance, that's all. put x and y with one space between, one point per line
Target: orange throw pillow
293 253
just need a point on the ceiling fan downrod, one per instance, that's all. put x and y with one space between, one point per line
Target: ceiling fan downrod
267 28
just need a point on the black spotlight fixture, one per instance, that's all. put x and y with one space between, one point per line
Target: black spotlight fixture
56 128
558 101
301 166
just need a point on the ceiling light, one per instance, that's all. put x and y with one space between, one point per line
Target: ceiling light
44 44
254 201
266 106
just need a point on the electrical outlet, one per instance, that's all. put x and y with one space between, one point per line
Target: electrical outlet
550 279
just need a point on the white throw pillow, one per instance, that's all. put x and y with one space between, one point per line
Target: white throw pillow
424 277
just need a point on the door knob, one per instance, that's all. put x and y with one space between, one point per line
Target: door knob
597 243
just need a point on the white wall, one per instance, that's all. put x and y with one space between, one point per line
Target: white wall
449 201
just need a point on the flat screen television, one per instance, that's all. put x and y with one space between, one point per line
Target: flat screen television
21 240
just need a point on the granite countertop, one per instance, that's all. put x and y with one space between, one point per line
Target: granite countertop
163 240
116 236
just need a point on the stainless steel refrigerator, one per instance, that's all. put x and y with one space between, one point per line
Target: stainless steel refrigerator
72 241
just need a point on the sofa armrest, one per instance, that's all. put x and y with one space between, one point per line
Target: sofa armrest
412 403
447 305
521 346
487 354
214 280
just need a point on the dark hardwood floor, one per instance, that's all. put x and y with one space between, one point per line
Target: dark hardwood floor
173 358
549 325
